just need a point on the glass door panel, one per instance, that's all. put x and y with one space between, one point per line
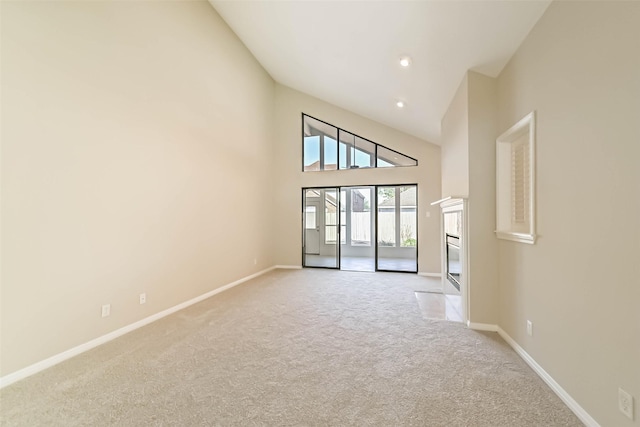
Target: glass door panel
320 228
342 229
397 228
357 251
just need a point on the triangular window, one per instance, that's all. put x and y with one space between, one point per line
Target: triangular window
327 147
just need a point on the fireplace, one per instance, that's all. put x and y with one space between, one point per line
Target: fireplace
453 240
453 260
454 267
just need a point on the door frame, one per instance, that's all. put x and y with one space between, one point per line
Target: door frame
374 238
349 226
398 213
322 236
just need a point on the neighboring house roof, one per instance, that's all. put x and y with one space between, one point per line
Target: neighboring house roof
315 166
407 198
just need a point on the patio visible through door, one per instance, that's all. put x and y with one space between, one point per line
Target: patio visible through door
320 227
375 225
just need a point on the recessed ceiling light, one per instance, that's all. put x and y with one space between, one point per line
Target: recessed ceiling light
400 104
405 61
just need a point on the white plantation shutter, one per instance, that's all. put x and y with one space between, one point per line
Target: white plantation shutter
515 182
520 184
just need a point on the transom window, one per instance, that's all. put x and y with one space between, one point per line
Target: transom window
327 147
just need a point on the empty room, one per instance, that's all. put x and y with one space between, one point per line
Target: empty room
319 213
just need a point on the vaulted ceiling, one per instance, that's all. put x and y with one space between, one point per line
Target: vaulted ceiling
348 52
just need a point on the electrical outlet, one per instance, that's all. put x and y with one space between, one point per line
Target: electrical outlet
143 298
625 403
106 310
529 328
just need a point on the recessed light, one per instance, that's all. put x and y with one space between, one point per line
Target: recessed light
400 104
405 61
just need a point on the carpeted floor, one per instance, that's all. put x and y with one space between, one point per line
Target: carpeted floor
308 347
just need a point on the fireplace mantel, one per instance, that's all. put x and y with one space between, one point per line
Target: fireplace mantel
449 201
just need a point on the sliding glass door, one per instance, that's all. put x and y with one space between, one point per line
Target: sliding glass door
320 228
361 228
357 218
397 228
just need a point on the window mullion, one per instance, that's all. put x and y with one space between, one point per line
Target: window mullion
398 204
321 152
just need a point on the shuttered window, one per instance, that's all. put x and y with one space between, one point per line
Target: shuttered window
520 184
515 190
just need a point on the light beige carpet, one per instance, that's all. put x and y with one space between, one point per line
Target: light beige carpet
309 347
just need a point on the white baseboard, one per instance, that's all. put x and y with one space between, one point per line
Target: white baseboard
482 326
54 360
557 389
430 274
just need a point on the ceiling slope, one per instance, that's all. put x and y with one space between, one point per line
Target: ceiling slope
347 52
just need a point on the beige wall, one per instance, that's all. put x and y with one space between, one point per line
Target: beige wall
289 178
135 147
454 142
483 244
579 69
468 170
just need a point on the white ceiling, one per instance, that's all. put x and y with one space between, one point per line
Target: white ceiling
347 52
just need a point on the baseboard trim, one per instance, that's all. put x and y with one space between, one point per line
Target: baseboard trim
67 354
548 379
430 274
482 326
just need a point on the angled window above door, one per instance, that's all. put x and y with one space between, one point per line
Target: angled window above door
327 147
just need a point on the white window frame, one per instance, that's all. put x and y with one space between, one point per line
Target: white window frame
505 228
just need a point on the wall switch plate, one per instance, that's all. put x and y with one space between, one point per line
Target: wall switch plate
625 403
529 328
255 261
143 298
106 310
